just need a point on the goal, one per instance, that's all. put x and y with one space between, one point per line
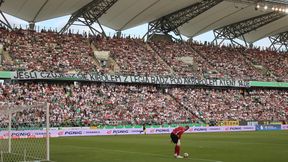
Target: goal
24 133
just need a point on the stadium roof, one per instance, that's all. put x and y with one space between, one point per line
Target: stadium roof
40 10
126 14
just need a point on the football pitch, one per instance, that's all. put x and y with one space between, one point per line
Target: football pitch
266 146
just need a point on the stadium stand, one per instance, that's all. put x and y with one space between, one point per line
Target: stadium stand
47 51
229 104
272 60
101 104
110 104
132 55
31 50
172 53
230 61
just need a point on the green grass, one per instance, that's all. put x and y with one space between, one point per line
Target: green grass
268 146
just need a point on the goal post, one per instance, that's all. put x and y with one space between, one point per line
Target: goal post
24 132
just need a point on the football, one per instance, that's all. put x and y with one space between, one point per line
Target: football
186 155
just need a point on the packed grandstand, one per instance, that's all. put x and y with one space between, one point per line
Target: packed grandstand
76 103
100 104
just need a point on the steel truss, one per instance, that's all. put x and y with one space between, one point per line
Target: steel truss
238 30
171 22
88 15
4 22
279 41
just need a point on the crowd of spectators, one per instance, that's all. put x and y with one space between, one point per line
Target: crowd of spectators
174 53
101 104
132 55
275 62
50 51
110 104
231 104
231 62
47 51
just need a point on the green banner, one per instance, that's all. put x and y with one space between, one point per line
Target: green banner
269 84
5 74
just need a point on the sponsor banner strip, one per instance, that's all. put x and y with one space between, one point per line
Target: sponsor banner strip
28 134
284 127
222 129
131 131
268 127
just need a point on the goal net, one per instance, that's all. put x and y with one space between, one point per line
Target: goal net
23 133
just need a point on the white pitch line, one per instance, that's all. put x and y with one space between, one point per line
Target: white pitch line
248 143
159 155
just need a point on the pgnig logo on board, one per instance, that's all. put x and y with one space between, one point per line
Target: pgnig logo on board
73 132
120 131
21 134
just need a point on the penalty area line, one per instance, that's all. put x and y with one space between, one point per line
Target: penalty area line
205 159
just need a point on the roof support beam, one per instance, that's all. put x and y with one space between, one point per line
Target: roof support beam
5 22
89 14
238 30
32 25
279 41
171 22
39 11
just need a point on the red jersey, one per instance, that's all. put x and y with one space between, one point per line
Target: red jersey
179 131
